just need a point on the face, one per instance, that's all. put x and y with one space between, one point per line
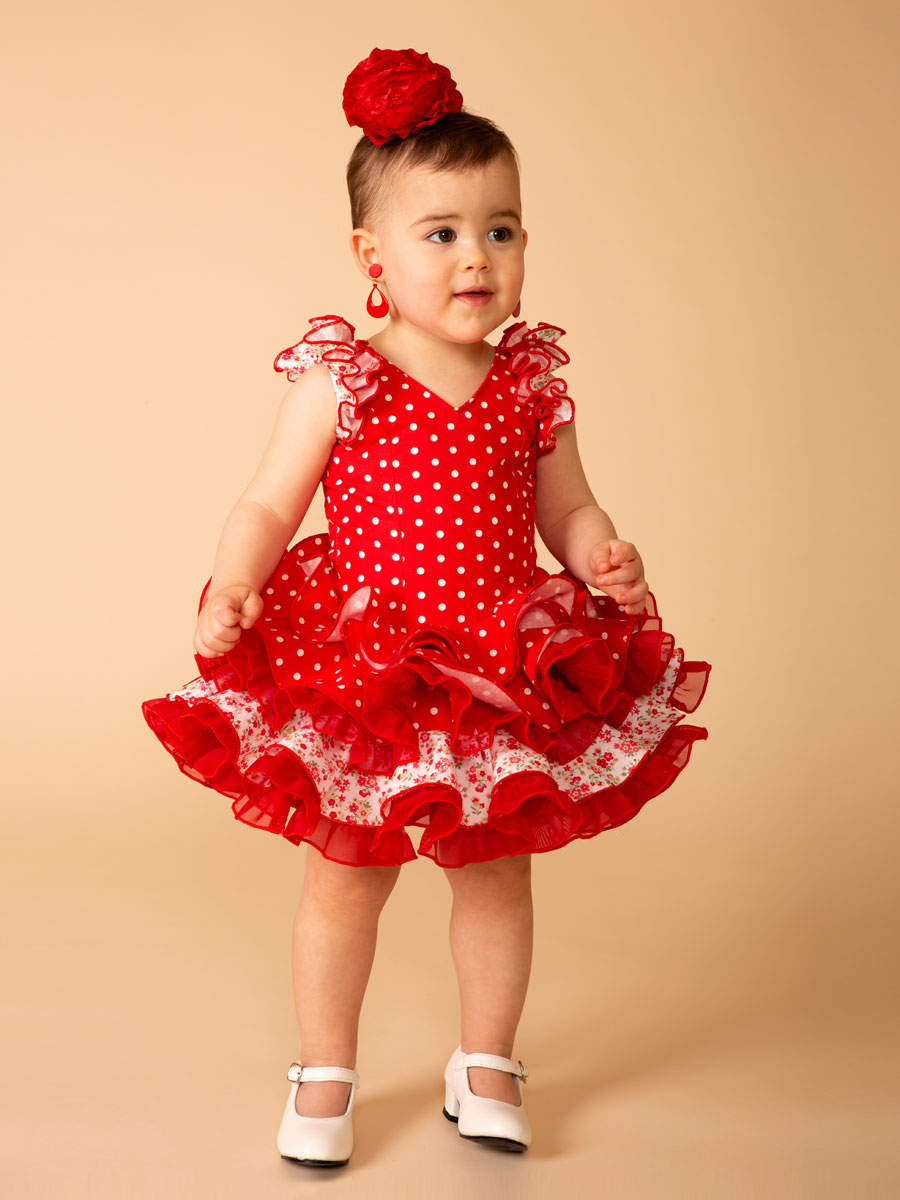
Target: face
442 234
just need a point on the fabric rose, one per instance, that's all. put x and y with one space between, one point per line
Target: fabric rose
393 92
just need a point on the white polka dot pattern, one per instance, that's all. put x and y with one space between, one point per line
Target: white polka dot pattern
414 665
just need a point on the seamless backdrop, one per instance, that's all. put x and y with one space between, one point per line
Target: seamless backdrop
711 193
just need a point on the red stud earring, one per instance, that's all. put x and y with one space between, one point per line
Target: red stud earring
517 309
376 305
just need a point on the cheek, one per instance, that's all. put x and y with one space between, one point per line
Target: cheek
423 275
405 282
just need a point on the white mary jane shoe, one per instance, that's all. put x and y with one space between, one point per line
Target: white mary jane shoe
494 1122
317 1141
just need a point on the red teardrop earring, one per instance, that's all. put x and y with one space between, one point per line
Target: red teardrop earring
517 309
376 305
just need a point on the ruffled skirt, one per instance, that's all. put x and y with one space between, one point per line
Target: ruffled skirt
331 722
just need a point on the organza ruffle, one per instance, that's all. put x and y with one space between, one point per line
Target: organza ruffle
533 356
341 719
330 341
336 721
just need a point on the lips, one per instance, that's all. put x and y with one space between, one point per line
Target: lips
476 292
474 299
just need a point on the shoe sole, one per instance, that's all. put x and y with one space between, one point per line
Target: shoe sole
317 1162
486 1139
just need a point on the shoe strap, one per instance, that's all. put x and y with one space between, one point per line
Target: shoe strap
498 1062
297 1073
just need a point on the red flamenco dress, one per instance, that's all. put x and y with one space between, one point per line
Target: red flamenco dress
414 666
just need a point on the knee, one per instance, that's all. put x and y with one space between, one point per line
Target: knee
501 874
343 887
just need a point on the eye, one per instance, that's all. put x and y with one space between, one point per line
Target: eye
437 234
505 231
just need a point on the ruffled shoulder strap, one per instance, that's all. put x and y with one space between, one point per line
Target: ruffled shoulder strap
331 341
533 357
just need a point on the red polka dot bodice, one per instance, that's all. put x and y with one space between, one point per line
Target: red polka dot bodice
415 665
434 504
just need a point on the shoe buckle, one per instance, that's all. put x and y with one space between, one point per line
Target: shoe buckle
523 1071
294 1072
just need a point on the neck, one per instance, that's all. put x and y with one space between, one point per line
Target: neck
409 348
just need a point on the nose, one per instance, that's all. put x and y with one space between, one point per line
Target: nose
474 255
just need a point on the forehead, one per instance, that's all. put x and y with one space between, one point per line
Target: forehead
478 191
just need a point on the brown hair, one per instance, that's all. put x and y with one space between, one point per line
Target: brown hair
455 141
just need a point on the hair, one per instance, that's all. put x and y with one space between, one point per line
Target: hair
455 141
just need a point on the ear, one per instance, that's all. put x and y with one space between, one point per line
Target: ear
524 238
365 249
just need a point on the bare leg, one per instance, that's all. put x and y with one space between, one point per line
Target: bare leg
491 939
335 931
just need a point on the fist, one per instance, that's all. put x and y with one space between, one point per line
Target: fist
223 617
616 568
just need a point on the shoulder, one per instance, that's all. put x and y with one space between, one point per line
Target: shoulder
562 440
340 367
313 389
306 415
329 340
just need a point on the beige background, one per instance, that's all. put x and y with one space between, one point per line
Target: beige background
711 193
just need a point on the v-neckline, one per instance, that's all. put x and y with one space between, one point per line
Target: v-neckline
432 394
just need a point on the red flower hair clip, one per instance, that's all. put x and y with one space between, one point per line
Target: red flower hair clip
394 92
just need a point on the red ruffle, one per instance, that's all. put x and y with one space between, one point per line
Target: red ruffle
550 669
528 813
331 340
541 664
552 665
533 356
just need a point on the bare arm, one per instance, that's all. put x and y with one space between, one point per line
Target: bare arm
567 516
578 532
275 501
268 511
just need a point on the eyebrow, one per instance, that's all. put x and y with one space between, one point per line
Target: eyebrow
502 212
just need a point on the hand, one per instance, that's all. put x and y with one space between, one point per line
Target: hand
619 571
223 617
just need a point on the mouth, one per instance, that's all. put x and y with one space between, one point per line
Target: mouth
474 297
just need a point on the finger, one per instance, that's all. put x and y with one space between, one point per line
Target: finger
223 637
253 605
225 611
206 647
227 633
227 619
224 618
622 552
211 632
250 610
624 574
633 597
210 647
